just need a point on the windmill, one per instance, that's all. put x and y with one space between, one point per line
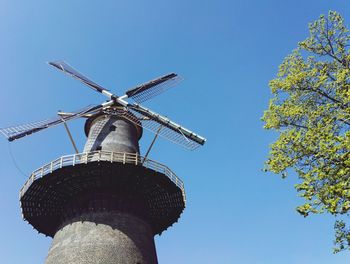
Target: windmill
105 205
118 105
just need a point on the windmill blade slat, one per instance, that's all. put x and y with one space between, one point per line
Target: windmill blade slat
12 133
153 126
16 132
66 68
169 134
146 91
168 123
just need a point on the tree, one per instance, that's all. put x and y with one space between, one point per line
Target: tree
310 109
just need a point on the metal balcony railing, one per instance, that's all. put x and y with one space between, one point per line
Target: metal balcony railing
84 158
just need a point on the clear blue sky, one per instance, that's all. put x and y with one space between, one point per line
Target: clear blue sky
227 51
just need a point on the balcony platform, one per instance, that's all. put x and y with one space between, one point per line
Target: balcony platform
49 189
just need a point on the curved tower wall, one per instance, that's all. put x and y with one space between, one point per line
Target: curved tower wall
104 237
112 133
105 227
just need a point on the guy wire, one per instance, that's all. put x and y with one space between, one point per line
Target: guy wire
14 161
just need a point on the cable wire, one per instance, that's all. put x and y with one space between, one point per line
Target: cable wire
14 161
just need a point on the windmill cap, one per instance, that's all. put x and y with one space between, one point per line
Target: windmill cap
89 122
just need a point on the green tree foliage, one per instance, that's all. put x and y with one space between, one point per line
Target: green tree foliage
310 109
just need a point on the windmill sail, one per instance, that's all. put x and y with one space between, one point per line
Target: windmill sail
146 91
66 68
16 132
151 121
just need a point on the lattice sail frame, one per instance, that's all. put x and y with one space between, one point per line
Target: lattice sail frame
151 89
16 132
153 126
67 69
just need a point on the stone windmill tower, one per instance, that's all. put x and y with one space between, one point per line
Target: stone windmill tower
106 204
